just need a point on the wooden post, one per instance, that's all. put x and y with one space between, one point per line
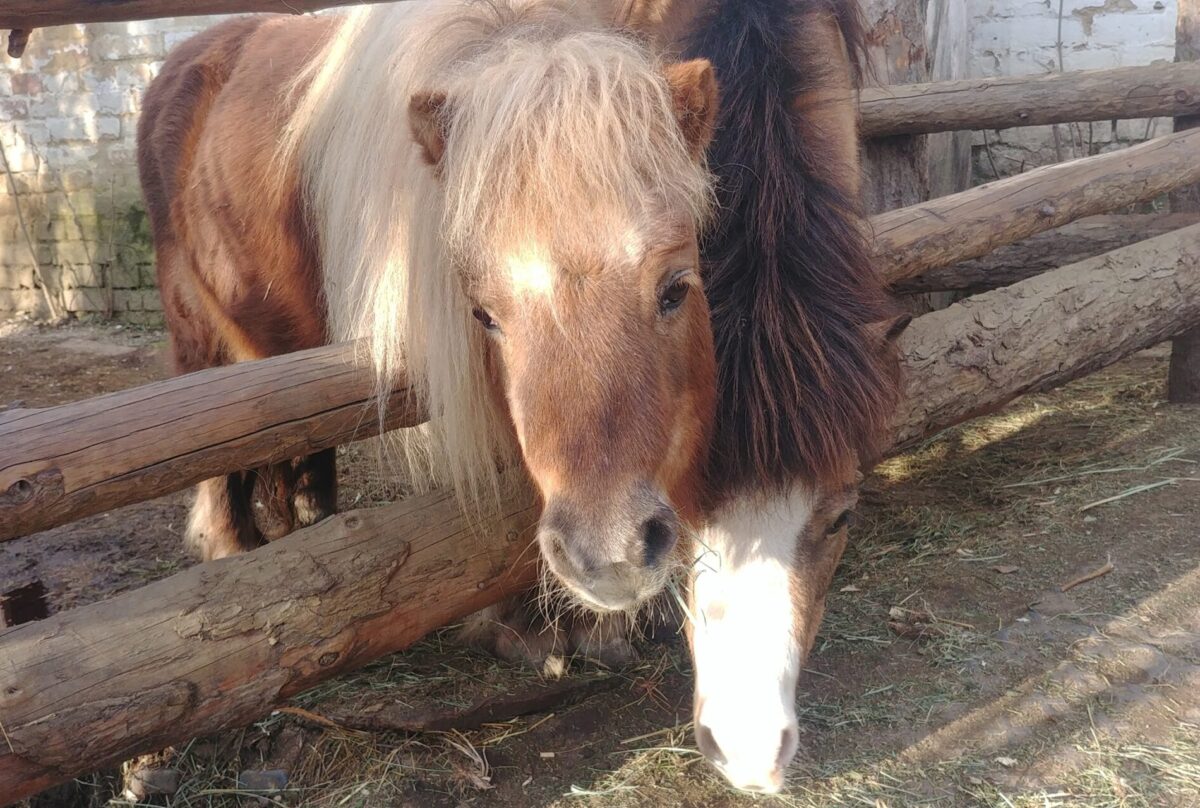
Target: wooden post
896 169
1183 378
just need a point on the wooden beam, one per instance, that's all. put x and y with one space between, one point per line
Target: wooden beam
1183 377
982 352
998 103
73 460
966 225
1073 242
28 14
222 643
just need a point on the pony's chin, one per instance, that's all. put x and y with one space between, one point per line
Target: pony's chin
609 600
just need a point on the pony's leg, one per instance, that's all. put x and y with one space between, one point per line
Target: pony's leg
294 494
315 493
220 523
271 500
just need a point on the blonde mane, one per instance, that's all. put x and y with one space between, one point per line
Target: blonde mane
554 123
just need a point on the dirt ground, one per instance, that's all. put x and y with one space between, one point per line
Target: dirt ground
951 669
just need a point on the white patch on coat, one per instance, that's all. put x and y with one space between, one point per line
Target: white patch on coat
744 642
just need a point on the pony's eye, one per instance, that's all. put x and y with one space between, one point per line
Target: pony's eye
839 523
673 296
485 319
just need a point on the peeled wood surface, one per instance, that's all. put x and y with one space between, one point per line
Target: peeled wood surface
27 14
969 224
1046 251
982 352
998 103
73 460
222 643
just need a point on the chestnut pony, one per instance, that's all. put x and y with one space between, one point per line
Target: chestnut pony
502 199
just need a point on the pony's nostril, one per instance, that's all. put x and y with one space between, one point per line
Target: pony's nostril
708 745
658 537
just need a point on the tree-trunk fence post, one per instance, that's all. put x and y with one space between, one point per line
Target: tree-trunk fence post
1183 377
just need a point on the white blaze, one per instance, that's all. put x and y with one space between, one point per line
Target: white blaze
744 643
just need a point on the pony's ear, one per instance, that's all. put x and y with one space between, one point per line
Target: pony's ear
427 120
694 91
641 14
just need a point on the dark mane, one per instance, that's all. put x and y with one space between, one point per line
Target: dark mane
806 383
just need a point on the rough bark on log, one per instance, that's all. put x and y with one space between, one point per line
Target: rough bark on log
984 351
222 643
1046 251
1183 378
42 13
969 224
998 103
896 170
73 460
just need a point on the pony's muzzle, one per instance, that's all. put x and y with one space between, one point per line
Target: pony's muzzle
611 562
751 755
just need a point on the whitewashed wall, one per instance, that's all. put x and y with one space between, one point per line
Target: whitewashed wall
1022 37
68 122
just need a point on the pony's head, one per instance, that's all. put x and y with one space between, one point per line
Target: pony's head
574 184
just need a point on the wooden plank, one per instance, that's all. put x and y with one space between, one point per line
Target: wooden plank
1183 376
222 643
73 460
998 103
966 225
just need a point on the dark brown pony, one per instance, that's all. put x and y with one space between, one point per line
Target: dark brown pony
807 372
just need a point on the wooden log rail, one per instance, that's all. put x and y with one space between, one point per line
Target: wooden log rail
26 14
62 463
1046 251
223 642
65 462
997 103
949 229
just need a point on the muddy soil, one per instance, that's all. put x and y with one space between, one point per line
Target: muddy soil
951 669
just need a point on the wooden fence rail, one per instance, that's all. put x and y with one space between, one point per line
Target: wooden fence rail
26 14
62 463
1084 95
949 229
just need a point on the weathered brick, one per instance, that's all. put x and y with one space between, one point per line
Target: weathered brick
16 277
85 300
27 301
26 84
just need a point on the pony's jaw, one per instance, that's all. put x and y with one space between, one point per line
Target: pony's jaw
745 644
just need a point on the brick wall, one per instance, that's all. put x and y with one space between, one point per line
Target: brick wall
68 122
1021 37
